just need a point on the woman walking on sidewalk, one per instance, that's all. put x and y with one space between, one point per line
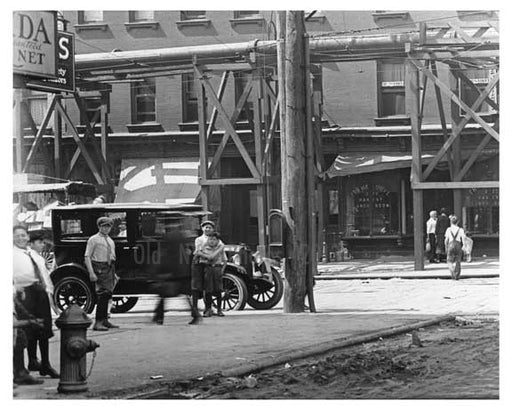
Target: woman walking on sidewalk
454 238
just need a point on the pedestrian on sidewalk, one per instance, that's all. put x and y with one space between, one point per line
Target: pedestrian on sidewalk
454 239
442 224
32 281
198 269
214 258
100 258
431 237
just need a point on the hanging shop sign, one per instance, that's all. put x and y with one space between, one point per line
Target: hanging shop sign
35 43
65 81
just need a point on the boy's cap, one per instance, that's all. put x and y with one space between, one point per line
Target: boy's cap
104 220
208 223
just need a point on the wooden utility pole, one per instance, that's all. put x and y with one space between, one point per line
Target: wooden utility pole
293 166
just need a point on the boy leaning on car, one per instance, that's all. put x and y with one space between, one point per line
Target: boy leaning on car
100 258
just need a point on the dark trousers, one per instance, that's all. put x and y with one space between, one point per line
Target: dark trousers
432 242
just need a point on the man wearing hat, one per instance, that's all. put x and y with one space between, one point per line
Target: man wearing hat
100 258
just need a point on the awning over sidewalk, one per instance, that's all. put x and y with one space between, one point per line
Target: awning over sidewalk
162 180
359 164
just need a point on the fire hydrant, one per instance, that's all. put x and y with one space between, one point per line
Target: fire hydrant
74 346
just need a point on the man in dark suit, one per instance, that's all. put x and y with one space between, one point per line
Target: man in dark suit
443 223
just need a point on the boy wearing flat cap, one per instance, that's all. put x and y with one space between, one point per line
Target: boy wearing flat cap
100 258
199 269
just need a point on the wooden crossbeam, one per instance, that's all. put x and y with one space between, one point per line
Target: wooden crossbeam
461 76
472 158
39 136
455 185
215 113
270 136
33 126
230 181
270 91
80 144
461 33
457 130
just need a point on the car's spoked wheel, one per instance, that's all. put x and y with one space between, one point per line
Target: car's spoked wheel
122 304
266 292
73 290
234 296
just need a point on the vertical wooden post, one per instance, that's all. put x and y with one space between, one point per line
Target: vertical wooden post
203 155
57 142
412 98
105 172
456 146
294 206
310 181
18 128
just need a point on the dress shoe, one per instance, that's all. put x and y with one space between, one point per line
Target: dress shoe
207 313
34 365
158 321
110 325
27 379
195 320
99 327
220 313
49 371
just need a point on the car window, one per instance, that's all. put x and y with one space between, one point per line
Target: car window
164 224
119 229
71 228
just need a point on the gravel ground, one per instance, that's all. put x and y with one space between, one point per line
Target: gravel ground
455 360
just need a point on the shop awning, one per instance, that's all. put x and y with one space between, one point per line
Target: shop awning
159 180
359 164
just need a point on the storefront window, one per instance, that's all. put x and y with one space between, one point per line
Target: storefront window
481 215
374 209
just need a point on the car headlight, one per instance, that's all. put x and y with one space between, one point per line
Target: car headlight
236 259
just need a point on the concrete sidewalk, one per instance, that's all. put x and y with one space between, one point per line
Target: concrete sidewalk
403 267
128 357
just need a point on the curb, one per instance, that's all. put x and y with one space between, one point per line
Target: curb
399 276
332 345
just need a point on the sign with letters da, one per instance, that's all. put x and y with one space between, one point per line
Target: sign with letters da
65 80
35 43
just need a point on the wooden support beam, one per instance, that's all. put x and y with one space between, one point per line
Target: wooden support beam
203 143
455 185
57 142
39 136
105 168
236 113
80 144
220 95
458 129
18 127
223 67
461 103
230 181
229 126
412 95
33 126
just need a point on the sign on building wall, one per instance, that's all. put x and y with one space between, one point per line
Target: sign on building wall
65 80
35 43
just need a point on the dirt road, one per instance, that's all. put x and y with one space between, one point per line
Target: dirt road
453 360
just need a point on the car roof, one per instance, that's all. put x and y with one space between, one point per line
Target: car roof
132 206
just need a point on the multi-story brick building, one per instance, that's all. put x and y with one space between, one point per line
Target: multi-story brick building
364 120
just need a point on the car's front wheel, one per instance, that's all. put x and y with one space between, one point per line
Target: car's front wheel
74 290
234 295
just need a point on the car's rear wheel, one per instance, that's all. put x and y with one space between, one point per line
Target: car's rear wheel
234 295
74 290
122 304
266 292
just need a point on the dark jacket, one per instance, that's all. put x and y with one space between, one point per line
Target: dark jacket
443 223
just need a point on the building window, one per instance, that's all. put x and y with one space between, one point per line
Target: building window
143 101
189 98
141 15
482 216
480 78
374 209
38 106
334 206
90 16
241 80
242 14
193 15
391 81
92 107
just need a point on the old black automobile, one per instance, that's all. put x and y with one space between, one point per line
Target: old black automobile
145 237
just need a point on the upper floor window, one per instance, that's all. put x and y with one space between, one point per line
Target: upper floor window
242 14
241 80
480 79
144 101
391 83
90 16
37 105
193 15
189 98
141 15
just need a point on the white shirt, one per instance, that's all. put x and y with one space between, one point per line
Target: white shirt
458 234
23 269
431 226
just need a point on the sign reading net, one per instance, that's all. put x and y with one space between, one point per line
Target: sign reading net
65 80
35 43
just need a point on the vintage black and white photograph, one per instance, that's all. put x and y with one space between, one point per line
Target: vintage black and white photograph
255 204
